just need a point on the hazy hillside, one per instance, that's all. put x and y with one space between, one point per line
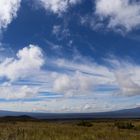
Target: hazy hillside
126 113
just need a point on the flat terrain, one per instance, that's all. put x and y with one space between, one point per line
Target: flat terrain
69 130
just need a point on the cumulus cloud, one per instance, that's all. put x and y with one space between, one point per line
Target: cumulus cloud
120 13
17 92
8 12
84 78
90 83
58 6
70 78
27 63
126 77
75 84
127 86
29 60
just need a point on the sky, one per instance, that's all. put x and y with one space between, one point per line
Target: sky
66 56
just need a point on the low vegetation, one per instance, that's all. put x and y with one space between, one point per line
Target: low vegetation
124 125
84 123
70 130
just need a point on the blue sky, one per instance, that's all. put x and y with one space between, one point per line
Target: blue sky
69 55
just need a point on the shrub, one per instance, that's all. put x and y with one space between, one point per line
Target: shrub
85 124
124 125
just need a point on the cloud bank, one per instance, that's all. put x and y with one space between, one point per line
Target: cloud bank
84 80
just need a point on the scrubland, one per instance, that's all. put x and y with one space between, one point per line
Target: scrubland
70 130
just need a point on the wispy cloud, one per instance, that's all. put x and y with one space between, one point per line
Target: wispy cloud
58 6
69 79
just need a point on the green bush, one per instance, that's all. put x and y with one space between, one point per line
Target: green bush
124 125
85 124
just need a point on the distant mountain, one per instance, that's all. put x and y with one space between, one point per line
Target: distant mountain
126 113
17 118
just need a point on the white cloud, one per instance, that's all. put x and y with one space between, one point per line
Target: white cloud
74 1
121 13
74 84
18 92
58 6
8 11
126 77
28 62
101 73
56 29
61 32
84 80
127 86
65 105
70 78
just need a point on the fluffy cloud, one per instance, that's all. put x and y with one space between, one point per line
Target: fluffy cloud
18 92
75 84
70 78
58 6
26 64
8 11
76 79
127 87
29 61
84 78
121 13
90 84
126 76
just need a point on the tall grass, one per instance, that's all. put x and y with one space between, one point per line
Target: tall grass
67 131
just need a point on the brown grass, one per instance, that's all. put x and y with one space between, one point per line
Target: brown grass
100 130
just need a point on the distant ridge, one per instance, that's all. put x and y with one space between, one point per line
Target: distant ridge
125 113
17 118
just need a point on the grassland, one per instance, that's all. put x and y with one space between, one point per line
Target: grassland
70 130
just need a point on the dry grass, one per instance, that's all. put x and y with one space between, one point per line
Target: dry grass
100 130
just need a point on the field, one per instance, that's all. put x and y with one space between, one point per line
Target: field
70 130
